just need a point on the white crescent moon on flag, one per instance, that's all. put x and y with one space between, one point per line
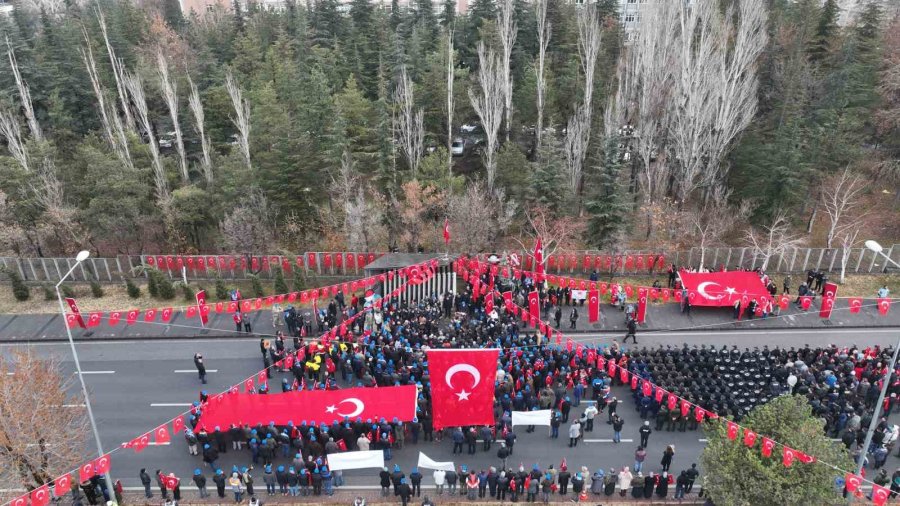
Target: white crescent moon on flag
469 368
358 405
701 288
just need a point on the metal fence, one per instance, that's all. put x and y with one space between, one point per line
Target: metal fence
324 264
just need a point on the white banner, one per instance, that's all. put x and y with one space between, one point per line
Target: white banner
356 460
579 294
541 417
426 463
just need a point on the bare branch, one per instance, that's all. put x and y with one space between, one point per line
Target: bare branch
488 104
508 30
170 94
544 31
118 72
241 118
24 95
847 242
450 79
410 126
197 111
772 239
578 129
840 198
136 89
12 132
712 221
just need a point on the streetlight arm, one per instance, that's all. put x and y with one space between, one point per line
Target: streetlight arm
889 259
63 279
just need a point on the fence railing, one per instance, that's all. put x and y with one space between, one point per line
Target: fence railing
237 267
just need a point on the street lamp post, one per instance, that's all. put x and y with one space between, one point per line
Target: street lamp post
874 246
81 257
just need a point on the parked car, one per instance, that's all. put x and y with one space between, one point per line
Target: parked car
457 147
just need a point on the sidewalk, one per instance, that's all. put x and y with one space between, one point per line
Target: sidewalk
660 317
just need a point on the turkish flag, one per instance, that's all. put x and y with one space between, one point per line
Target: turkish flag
489 303
685 407
665 295
162 434
641 314
806 459
749 437
139 443
880 494
114 318
171 482
659 394
884 305
593 306
149 315
40 496
177 425
767 446
94 318
539 257
311 260
699 413
732 430
534 305
73 305
722 288
628 291
86 471
787 456
63 485
805 302
852 482
646 388
201 303
249 386
132 316
103 464
783 301
634 381
827 306
462 386
672 401
855 304
190 312
167 314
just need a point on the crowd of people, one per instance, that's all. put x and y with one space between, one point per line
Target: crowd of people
388 347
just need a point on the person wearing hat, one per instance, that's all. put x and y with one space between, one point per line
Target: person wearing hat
269 479
403 491
316 480
236 486
645 435
415 479
219 480
385 478
200 481
211 456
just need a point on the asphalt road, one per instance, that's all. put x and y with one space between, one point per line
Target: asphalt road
136 385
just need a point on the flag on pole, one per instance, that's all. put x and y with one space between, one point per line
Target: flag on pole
539 258
446 231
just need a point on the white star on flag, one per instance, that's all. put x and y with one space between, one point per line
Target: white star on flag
331 409
463 395
730 291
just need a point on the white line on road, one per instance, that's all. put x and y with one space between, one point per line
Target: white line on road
195 370
154 443
170 405
98 372
607 440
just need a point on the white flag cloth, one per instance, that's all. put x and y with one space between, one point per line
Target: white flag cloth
356 460
541 417
426 463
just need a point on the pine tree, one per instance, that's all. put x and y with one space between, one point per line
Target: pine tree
546 186
607 204
826 31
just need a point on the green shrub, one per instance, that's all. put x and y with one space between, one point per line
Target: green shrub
19 288
67 291
299 279
187 292
49 293
96 290
257 286
133 290
280 284
152 282
221 289
166 288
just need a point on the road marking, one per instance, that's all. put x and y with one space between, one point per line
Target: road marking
607 440
154 443
170 405
98 372
195 370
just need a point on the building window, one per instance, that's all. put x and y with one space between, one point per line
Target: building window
629 18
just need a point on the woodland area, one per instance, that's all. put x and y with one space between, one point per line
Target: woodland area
133 128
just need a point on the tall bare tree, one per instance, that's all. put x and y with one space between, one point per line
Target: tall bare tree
848 239
170 95
481 215
771 239
109 117
488 104
711 221
578 129
507 31
451 76
250 226
15 143
43 431
118 73
241 118
135 88
196 107
24 95
841 198
544 31
410 126
557 232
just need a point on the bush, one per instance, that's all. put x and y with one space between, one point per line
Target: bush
152 285
299 279
49 293
186 292
19 288
257 286
67 291
280 284
133 290
96 290
221 289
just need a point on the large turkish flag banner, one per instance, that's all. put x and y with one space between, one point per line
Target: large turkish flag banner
534 305
722 288
641 314
462 386
318 406
593 306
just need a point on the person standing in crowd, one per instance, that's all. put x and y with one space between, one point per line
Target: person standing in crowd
573 317
624 482
589 413
236 487
439 480
666 461
415 479
146 482
692 475
617 428
632 331
611 408
201 367
219 480
639 455
200 481
574 433
645 435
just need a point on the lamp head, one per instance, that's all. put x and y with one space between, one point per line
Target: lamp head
874 246
82 255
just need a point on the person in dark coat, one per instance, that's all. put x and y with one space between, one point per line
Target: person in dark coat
146 482
402 489
649 484
219 480
200 481
597 482
201 367
637 486
666 461
385 477
563 480
396 477
162 485
609 483
415 478
662 488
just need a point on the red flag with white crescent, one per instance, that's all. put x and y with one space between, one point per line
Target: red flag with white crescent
20 501
852 482
749 437
855 304
732 430
641 314
86 471
880 495
593 306
167 314
171 482
805 302
139 443
462 383
40 496
767 446
539 257
201 302
827 306
132 316
446 231
177 425
102 464
787 456
149 315
884 305
534 303
161 434
114 318
94 318
63 485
